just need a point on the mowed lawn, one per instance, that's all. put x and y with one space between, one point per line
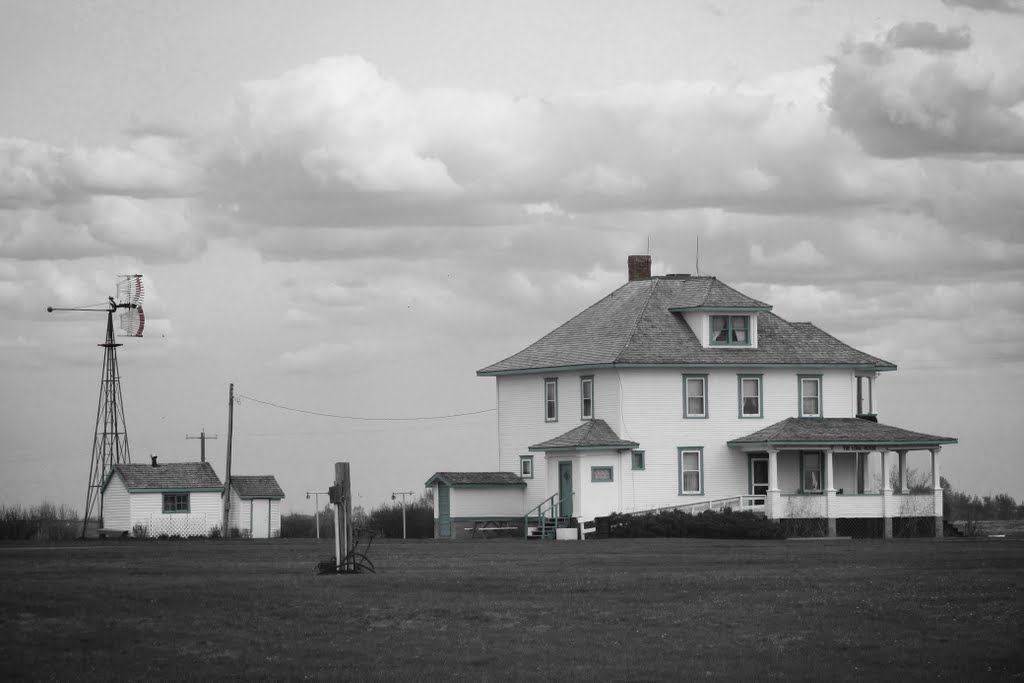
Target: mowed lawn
643 609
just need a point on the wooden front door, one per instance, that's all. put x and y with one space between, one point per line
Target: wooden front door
565 489
444 515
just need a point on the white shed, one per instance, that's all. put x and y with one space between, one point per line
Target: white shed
167 499
255 506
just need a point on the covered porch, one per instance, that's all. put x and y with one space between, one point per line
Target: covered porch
841 469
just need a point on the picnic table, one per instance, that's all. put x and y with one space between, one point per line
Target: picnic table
491 527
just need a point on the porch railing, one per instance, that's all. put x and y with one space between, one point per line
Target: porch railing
744 502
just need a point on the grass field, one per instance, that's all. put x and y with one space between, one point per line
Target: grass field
644 609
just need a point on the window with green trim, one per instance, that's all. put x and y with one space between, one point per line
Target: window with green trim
810 395
551 399
811 471
695 395
601 474
526 466
750 396
691 470
587 398
730 330
638 460
176 502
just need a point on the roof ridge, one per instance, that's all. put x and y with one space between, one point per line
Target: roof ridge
636 321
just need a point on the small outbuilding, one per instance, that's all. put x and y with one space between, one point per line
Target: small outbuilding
472 503
255 506
167 499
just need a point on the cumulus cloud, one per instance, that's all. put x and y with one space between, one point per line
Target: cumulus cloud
924 35
908 102
1008 6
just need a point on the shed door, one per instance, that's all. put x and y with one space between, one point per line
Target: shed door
444 513
261 518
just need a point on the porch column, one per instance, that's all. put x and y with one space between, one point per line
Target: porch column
887 502
937 491
830 494
774 495
903 472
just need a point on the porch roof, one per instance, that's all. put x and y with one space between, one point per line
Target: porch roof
470 479
851 433
591 435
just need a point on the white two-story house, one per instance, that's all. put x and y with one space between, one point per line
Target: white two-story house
679 391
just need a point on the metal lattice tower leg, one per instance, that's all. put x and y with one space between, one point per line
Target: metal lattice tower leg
110 441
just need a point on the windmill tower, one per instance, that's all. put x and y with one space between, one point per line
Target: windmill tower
110 439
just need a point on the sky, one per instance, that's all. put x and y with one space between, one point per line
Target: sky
347 208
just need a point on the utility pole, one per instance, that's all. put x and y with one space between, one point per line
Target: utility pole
202 443
227 469
403 494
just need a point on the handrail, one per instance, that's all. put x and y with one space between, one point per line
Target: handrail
740 502
552 503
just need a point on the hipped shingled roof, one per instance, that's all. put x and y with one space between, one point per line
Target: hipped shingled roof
171 476
256 486
641 323
838 431
591 435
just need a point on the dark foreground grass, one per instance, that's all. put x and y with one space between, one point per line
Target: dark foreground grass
645 609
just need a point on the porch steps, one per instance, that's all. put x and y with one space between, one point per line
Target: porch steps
546 526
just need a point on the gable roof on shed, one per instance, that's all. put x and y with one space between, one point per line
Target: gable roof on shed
171 476
256 486
641 324
591 435
474 479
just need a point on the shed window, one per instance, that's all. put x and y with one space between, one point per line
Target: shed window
176 502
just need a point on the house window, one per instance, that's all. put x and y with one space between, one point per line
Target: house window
695 395
730 330
587 398
526 466
638 460
176 502
601 474
864 402
750 396
810 395
811 471
551 399
691 466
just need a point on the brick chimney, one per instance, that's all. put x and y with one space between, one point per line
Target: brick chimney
639 267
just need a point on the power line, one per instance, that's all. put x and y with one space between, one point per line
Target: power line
364 419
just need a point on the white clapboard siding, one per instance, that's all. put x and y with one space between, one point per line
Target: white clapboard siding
503 501
117 508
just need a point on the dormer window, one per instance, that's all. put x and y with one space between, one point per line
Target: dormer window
730 330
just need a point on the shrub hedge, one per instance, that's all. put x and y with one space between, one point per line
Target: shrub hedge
708 524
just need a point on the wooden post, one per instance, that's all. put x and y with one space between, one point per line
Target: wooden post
202 443
227 467
342 515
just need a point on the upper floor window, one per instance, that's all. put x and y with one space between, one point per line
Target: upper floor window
695 395
551 399
587 398
176 502
750 396
865 402
810 395
638 460
730 330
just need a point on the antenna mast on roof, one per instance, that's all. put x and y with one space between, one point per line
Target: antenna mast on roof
110 438
697 265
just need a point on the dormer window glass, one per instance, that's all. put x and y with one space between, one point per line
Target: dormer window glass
730 330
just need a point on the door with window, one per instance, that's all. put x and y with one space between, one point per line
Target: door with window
565 489
759 478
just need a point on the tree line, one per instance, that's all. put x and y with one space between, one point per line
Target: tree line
382 521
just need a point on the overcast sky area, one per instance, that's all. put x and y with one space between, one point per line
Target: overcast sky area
349 208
